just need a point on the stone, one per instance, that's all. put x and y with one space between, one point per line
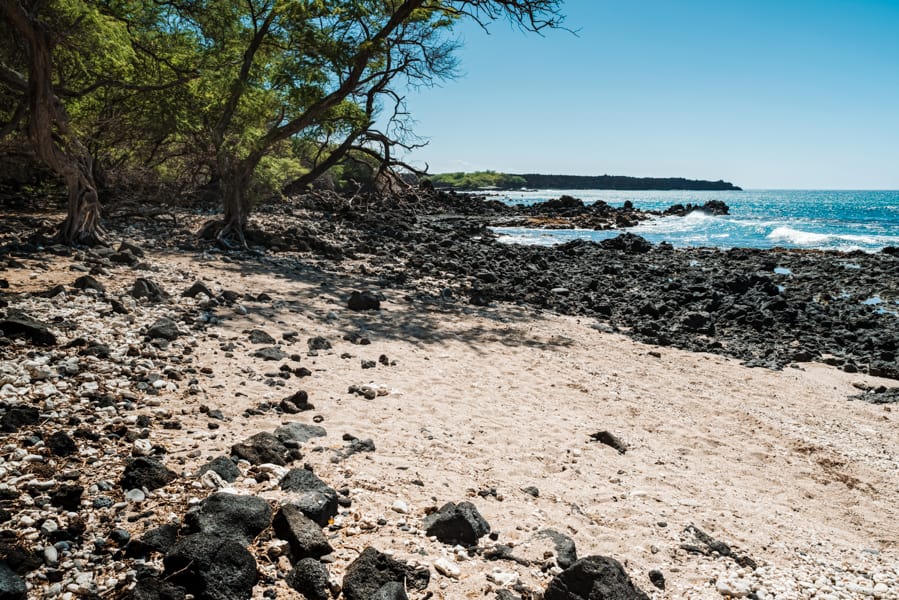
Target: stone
565 549
133 249
310 578
372 570
223 466
211 568
154 588
230 516
15 326
12 587
447 568
145 288
298 433
627 242
360 301
17 417
197 288
311 495
269 353
163 328
457 524
657 579
262 448
302 533
594 578
159 539
318 343
61 444
67 496
392 590
86 282
257 336
609 439
297 402
143 472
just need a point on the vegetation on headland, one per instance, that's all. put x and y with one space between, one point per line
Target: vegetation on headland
232 99
505 181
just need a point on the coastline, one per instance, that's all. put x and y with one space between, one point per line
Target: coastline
484 395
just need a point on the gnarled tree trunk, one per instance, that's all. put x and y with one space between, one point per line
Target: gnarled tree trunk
48 129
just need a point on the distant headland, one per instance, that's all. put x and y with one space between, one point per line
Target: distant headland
482 180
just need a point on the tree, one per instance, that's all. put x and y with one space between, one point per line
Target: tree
278 71
68 56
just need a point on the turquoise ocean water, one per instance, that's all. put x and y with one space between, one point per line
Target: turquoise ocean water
832 220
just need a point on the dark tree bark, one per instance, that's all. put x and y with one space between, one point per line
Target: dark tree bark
48 130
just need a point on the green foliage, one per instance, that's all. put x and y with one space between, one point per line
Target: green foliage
478 180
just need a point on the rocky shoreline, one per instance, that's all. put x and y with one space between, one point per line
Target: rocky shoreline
112 358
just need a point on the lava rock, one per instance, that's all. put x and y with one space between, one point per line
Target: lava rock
657 579
269 353
627 242
302 533
86 282
594 578
223 466
67 496
14 326
297 402
363 301
211 568
146 473
154 588
566 551
310 578
392 590
12 587
298 433
230 516
163 328
311 495
18 417
457 524
160 539
197 288
609 439
61 444
257 336
372 570
145 288
318 343
262 448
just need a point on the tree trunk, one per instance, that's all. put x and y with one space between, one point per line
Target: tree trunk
48 130
234 182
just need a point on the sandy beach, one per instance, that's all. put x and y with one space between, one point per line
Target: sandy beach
779 465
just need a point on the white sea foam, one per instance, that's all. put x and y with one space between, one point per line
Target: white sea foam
800 238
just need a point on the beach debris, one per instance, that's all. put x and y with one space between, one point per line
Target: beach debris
697 541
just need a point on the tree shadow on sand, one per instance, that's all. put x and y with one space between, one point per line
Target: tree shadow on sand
408 313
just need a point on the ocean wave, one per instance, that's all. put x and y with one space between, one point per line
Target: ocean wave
810 238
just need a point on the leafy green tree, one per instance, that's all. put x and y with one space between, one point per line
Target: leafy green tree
69 65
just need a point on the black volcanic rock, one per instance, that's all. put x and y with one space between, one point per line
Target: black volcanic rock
457 524
146 473
316 499
372 570
230 516
594 578
14 326
211 568
302 533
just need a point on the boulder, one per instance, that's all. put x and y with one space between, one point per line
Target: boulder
145 288
360 301
223 466
372 570
594 578
310 578
19 416
294 433
261 448
211 568
86 282
12 587
14 326
146 473
163 328
197 288
302 533
457 524
230 516
311 495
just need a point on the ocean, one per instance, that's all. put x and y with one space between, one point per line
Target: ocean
828 220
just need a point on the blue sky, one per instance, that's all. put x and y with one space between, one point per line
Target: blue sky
788 94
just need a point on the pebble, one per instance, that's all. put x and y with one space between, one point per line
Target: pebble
446 568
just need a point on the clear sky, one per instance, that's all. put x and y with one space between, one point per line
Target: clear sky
765 94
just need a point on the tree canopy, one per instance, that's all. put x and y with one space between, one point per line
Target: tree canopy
237 97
